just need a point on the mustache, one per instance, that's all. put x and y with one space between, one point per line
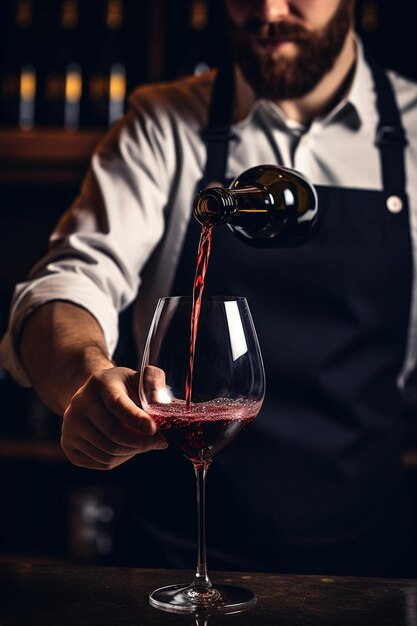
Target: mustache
274 30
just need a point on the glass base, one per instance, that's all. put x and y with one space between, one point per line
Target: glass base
187 599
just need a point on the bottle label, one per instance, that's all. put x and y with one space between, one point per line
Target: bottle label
73 83
27 97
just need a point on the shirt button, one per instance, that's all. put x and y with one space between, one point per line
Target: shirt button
394 204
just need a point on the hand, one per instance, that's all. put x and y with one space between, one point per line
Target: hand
103 425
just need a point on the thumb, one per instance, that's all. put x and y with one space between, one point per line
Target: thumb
117 400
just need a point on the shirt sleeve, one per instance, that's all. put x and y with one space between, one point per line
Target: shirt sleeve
100 245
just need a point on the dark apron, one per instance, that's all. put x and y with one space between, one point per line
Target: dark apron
316 483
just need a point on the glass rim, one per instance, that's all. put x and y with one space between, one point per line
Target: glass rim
205 298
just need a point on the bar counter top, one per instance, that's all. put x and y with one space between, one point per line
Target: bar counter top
76 595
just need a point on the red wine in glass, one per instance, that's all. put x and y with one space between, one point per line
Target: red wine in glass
202 430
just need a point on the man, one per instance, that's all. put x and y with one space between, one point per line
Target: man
316 484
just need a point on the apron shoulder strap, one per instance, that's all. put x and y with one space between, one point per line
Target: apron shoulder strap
217 134
391 138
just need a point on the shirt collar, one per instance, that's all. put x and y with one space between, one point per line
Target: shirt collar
354 108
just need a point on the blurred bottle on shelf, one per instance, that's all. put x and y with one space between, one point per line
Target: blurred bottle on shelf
156 41
63 78
196 38
369 16
187 28
71 64
198 21
107 84
19 77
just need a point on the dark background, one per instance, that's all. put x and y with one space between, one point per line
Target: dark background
51 510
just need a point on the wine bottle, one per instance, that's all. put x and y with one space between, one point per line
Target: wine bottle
63 78
108 81
266 206
198 28
18 84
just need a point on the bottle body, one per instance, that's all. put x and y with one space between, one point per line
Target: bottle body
107 86
63 81
19 78
266 206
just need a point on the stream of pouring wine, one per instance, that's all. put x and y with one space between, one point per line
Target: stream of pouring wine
203 255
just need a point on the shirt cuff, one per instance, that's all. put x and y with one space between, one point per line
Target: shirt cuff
74 288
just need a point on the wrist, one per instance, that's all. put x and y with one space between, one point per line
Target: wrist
89 359
61 345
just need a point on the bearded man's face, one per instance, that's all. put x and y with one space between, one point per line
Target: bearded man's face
285 47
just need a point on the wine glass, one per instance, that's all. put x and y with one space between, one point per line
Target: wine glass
202 387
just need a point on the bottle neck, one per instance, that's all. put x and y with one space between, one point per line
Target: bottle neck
114 14
69 15
219 205
24 14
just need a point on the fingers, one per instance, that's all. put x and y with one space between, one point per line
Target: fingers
95 458
103 427
82 459
106 433
110 434
116 400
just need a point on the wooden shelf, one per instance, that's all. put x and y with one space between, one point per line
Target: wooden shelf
17 449
45 156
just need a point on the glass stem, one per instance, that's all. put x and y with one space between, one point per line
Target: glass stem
201 579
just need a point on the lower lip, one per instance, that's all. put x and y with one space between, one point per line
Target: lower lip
272 46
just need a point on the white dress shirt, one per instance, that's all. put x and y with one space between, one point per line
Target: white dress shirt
122 237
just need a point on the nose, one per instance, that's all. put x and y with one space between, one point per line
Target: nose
273 10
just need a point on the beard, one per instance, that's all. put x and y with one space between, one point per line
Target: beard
274 75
